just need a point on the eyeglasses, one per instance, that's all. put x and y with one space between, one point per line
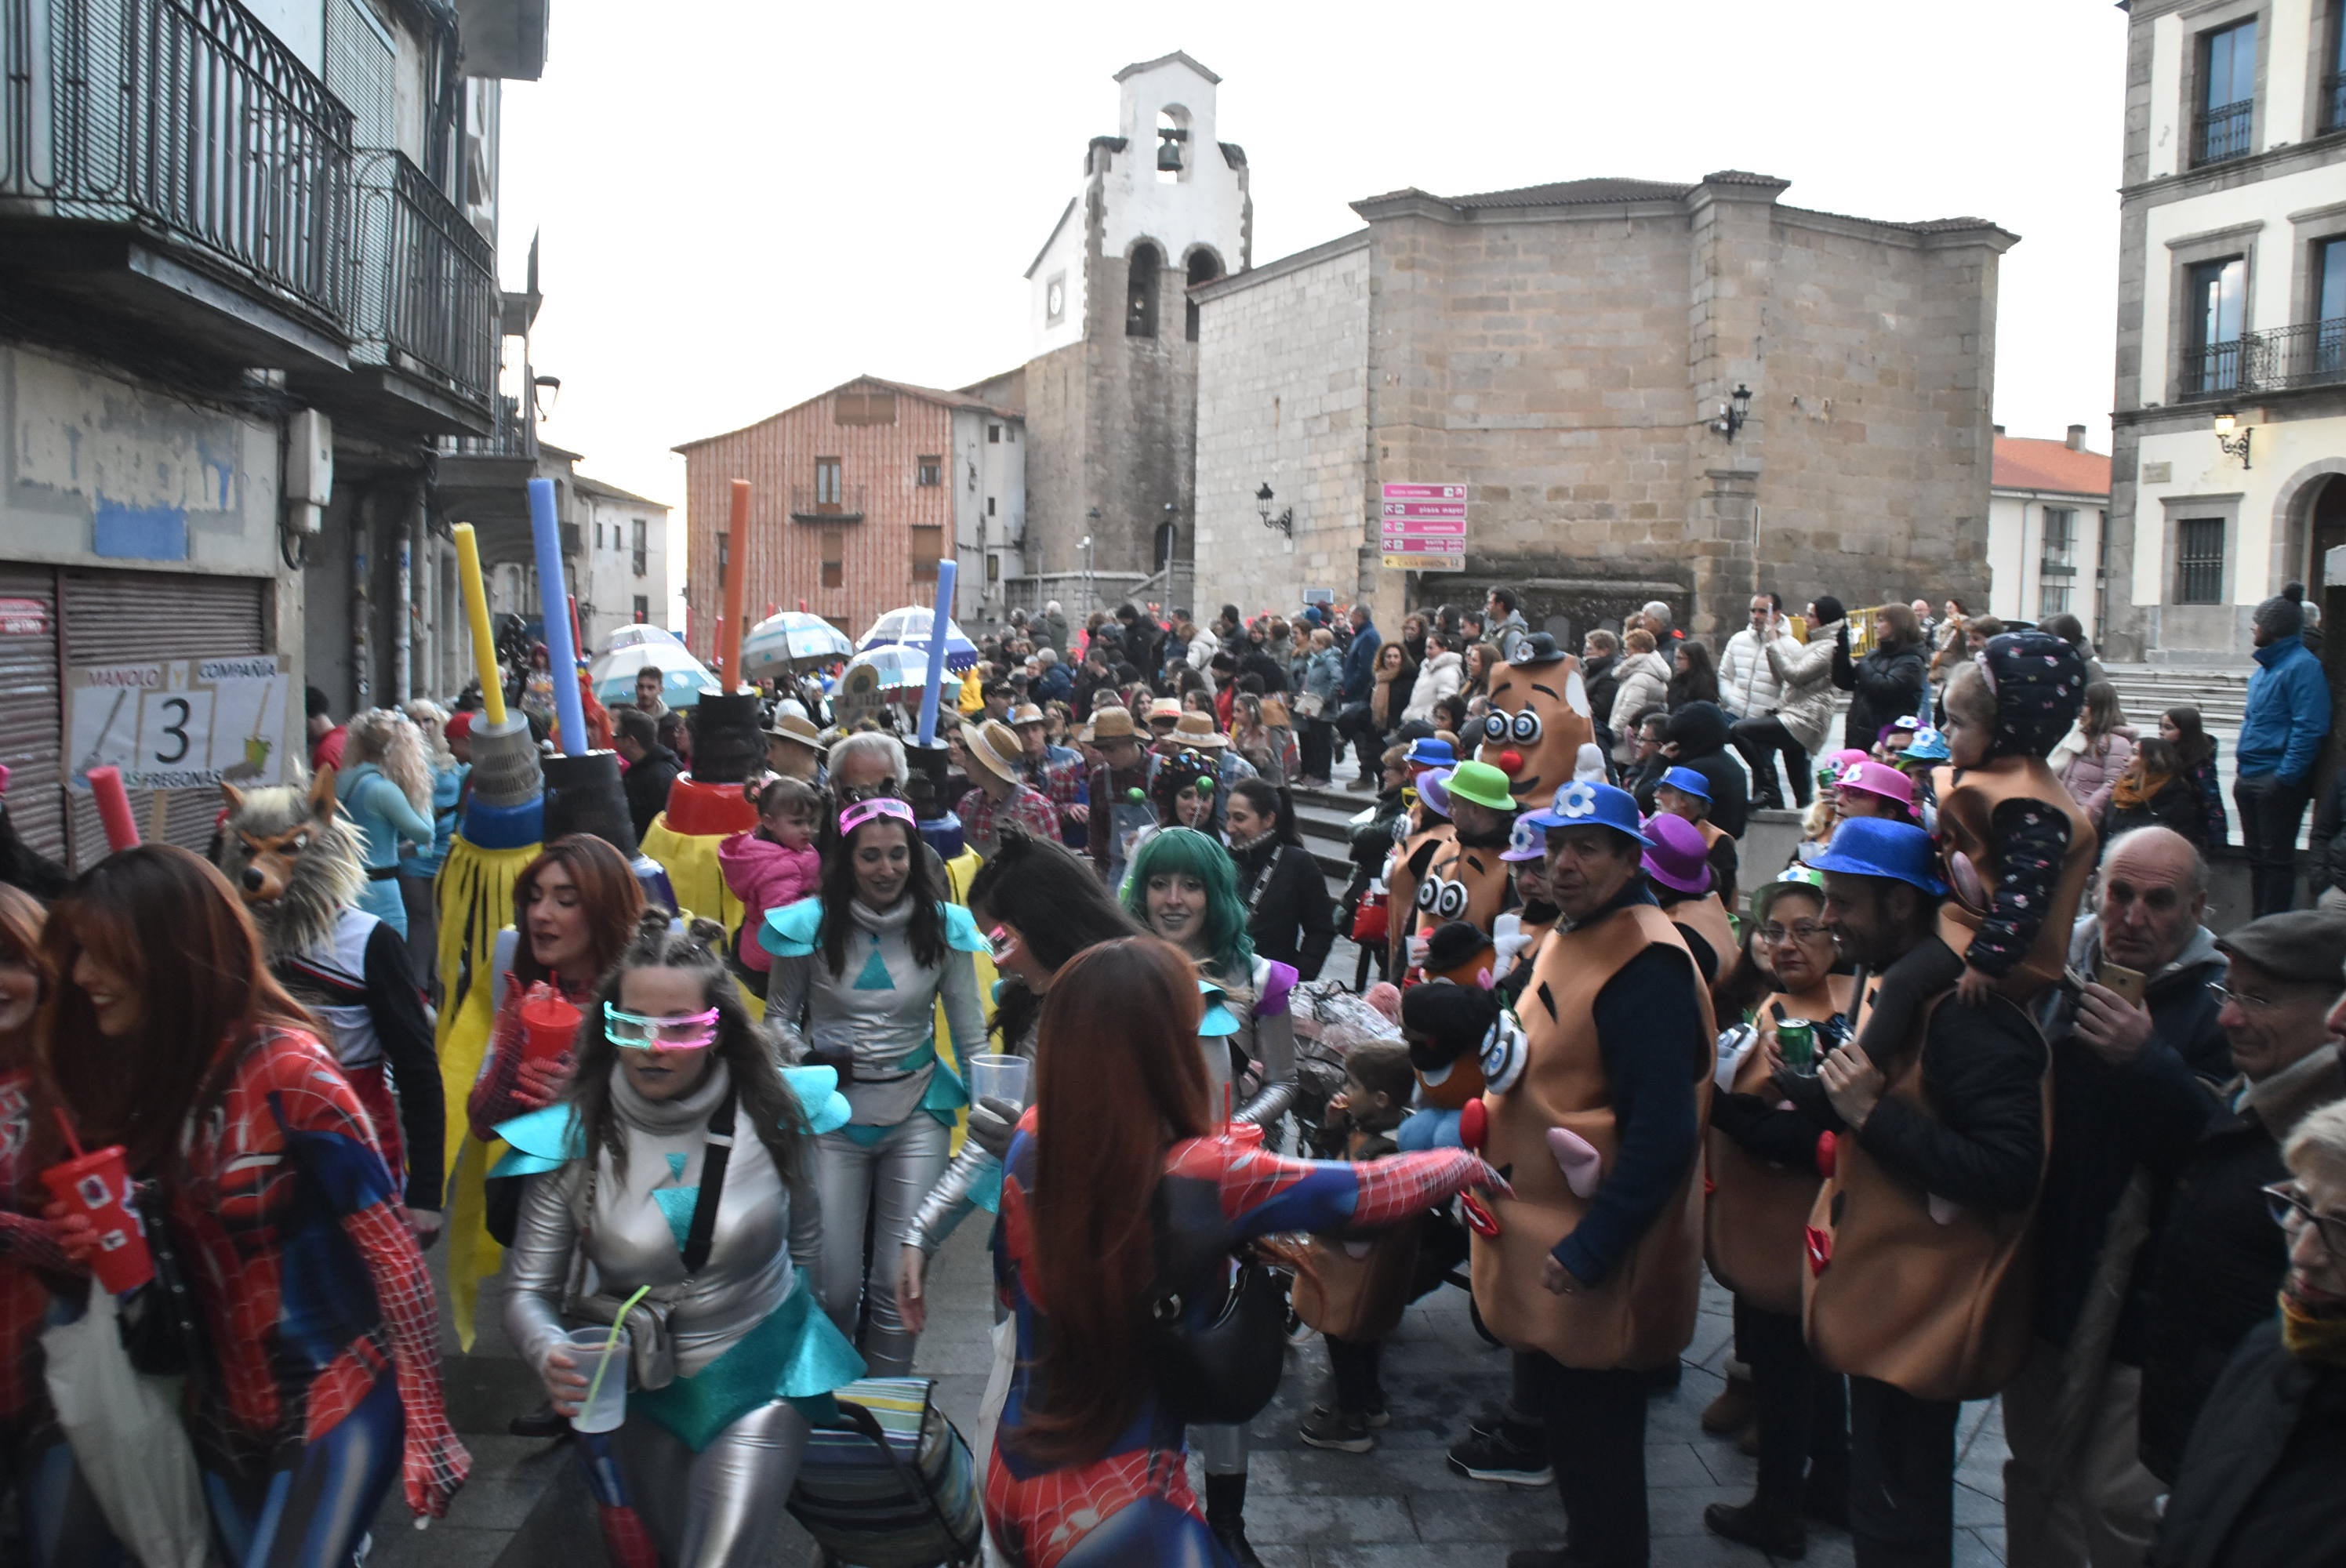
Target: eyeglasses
674 1032
1807 930
2288 1208
2250 1001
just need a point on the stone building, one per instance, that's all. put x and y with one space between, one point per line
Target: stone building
1566 351
856 495
2231 349
1110 390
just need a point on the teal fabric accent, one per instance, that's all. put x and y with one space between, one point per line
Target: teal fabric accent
875 975
946 1093
961 930
986 1188
1216 1021
793 931
678 1203
862 1136
817 1088
541 1141
794 1354
676 1164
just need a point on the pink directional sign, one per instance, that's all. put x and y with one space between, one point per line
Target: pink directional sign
1425 493
1405 509
1423 528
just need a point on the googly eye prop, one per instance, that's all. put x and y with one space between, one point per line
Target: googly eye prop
673 1031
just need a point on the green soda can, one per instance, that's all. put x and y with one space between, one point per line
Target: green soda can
1796 1042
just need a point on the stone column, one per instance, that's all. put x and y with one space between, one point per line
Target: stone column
1727 327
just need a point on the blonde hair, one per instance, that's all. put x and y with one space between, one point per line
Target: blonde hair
1639 640
389 739
1322 637
432 720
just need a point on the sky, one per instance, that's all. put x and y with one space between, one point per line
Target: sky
744 204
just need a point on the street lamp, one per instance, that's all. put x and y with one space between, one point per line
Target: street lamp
1284 522
2227 442
1733 412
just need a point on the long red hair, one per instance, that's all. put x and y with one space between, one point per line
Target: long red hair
168 927
1121 1080
21 917
607 890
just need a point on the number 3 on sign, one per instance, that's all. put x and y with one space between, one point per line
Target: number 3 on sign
174 731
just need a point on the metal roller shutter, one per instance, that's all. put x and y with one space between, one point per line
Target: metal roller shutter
31 716
122 617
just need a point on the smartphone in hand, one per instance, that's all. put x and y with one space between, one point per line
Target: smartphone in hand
2126 982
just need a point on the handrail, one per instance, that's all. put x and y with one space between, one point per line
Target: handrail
424 283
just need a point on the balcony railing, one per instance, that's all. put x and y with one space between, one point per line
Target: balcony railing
809 504
183 120
424 284
515 435
2333 102
2223 133
2309 354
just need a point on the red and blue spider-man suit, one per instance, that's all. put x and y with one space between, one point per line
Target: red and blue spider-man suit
317 1312
1133 1507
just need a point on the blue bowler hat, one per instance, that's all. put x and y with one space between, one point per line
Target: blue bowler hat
1427 751
1929 745
1687 781
1877 847
1584 804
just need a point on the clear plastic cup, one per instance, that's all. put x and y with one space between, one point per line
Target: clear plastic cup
1000 1078
608 1407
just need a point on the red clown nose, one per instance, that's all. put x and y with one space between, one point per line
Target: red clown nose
1511 762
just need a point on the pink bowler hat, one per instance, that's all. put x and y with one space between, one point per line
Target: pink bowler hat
1679 857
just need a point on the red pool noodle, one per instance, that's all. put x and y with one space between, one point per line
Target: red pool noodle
114 808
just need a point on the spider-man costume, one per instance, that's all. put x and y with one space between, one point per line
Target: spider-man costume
317 1316
1134 1506
60 1523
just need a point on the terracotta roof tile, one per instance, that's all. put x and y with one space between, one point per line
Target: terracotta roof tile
2024 463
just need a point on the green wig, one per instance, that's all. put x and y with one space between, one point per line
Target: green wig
1185 852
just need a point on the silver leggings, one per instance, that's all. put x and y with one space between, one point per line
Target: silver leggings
883 1185
722 1507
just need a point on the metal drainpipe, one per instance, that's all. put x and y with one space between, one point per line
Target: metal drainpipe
403 621
361 680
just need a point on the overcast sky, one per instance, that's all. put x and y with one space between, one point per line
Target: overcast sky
746 203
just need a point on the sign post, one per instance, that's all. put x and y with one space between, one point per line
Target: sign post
1423 527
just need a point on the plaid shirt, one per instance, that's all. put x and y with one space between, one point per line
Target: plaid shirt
981 821
1060 778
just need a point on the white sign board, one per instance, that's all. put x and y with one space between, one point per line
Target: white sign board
178 724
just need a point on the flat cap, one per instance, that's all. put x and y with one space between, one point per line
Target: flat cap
2307 945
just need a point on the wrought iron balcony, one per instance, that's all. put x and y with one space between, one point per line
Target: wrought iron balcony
514 434
181 129
2221 133
424 290
810 504
2285 359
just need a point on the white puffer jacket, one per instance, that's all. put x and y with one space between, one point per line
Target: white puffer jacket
1641 680
1748 686
1442 674
1804 696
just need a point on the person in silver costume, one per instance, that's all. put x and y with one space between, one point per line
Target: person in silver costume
704 1464
859 972
1184 887
1039 903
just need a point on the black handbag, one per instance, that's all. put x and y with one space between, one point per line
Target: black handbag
158 1321
1225 1370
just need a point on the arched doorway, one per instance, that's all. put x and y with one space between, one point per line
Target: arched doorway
2326 518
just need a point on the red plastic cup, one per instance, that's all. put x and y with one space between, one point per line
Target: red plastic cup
548 1027
98 1185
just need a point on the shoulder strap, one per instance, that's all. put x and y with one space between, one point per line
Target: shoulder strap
697 1239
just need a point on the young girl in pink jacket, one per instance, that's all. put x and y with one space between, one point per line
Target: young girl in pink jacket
772 865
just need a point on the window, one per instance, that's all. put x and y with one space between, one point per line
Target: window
1140 291
989 506
928 544
929 472
2102 574
2058 569
2227 93
2328 310
834 551
643 609
1203 269
994 435
640 544
2216 305
724 559
828 489
993 568
2333 80
2199 561
598 536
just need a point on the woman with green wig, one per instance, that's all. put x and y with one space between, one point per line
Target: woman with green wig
1183 886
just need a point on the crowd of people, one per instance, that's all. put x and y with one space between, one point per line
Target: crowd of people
1967 1098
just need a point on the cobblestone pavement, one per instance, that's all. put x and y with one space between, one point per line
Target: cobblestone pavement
1399 1507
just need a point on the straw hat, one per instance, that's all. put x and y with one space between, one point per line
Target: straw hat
1109 722
1027 713
1197 730
793 726
992 745
1164 707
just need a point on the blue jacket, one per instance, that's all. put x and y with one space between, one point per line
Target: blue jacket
1360 664
2288 714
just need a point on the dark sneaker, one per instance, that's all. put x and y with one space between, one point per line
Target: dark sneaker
1233 1541
1343 1431
1753 1525
1379 1418
1513 1452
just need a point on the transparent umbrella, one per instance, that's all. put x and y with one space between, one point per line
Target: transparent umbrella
773 643
682 677
909 627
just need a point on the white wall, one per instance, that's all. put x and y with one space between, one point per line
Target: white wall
611 581
1283 397
985 471
298 24
2016 555
2273 270
2279 458
2292 30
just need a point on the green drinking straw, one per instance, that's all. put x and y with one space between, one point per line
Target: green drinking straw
595 1385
